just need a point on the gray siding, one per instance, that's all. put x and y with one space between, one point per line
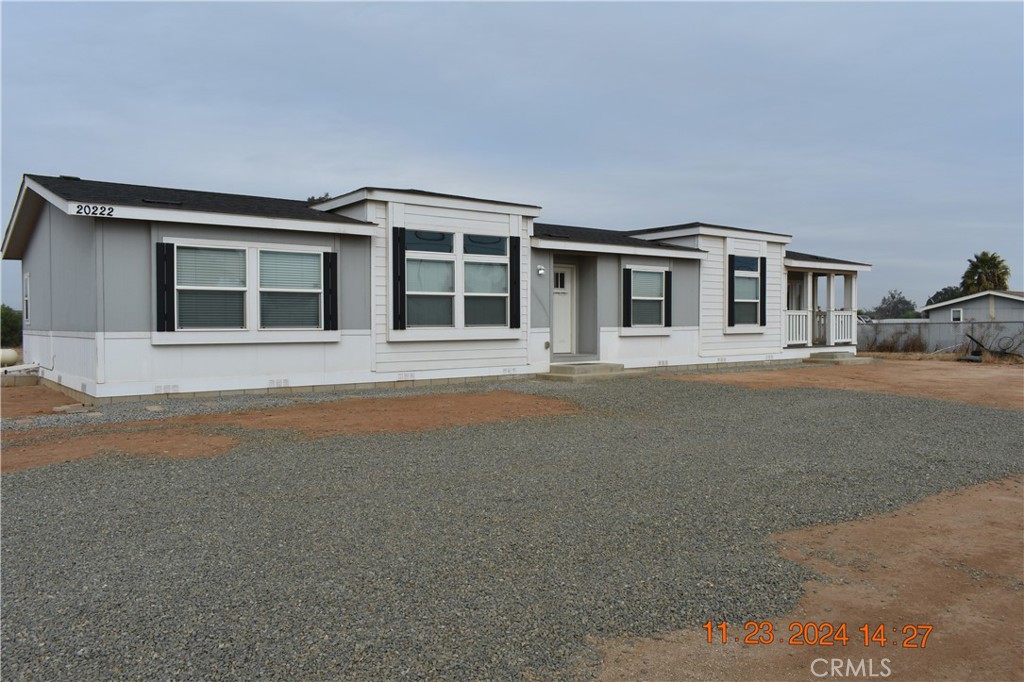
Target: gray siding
685 293
982 309
540 289
242 234
61 262
354 285
36 264
609 288
1009 311
125 275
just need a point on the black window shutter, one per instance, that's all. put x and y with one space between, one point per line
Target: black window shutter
514 277
627 297
764 290
331 291
668 298
732 290
398 277
165 287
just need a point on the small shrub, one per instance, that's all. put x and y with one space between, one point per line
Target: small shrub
10 327
914 344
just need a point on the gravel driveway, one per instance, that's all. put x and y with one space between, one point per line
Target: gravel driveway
480 552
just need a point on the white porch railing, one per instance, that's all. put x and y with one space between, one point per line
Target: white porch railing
841 326
798 327
820 328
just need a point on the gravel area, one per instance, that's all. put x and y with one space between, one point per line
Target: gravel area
482 552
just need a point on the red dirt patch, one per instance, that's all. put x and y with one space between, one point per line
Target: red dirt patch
166 442
979 384
186 436
395 415
30 401
952 561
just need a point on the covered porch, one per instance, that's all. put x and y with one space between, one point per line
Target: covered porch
821 301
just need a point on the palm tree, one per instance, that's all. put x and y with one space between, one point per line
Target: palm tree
985 272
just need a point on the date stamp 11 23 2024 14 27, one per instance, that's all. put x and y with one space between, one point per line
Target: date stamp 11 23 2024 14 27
906 636
826 634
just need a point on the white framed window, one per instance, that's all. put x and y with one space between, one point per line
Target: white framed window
454 280
956 315
746 299
239 292
485 281
26 297
430 278
746 292
648 298
210 287
291 290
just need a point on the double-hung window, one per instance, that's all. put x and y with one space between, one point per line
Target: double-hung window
251 290
454 280
291 290
485 263
430 272
211 287
956 315
647 298
746 291
26 296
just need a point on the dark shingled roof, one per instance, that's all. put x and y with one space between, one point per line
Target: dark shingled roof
796 255
95 192
592 235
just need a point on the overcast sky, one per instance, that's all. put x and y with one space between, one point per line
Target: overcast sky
875 132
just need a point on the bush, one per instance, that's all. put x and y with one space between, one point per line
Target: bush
878 339
10 327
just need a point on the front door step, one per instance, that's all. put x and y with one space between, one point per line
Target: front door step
831 358
588 371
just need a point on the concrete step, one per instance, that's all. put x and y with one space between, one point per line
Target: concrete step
579 368
839 359
593 376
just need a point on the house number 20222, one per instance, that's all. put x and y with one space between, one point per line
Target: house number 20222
90 209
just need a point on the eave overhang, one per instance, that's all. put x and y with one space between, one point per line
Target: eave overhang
619 249
825 266
32 196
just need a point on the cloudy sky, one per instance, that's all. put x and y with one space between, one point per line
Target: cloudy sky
876 132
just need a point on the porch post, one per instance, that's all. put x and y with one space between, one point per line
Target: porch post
809 306
831 340
851 299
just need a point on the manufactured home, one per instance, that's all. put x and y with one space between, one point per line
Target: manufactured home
132 290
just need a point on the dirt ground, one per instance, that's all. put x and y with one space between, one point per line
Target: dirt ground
197 436
953 563
989 385
30 401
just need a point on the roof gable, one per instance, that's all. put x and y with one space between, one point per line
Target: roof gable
164 204
145 196
1010 295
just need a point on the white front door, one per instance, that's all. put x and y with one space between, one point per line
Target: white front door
563 309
